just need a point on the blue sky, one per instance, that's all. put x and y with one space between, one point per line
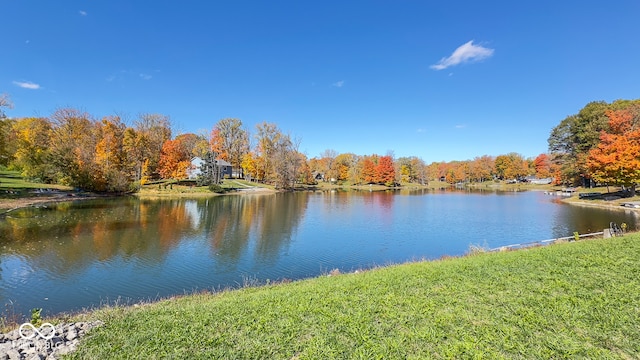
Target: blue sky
439 80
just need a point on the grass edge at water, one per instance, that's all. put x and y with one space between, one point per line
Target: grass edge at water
565 300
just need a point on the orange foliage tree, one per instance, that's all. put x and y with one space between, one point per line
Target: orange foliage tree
616 159
385 171
174 160
368 173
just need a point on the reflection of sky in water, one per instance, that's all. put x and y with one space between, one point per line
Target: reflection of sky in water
95 252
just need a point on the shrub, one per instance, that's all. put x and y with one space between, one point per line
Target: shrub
216 188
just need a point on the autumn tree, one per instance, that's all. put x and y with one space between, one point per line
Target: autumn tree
368 173
411 170
267 136
343 165
7 141
132 147
482 168
404 169
115 173
286 162
305 175
250 166
572 139
175 159
419 171
616 159
511 166
6 138
231 141
385 171
327 160
542 165
152 130
457 172
275 156
32 148
434 171
72 148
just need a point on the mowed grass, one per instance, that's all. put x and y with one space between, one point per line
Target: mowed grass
13 180
572 300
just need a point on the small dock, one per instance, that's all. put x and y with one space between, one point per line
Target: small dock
563 192
631 204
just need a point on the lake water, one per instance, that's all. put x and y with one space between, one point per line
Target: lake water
83 254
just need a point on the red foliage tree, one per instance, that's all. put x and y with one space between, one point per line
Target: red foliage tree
542 165
385 171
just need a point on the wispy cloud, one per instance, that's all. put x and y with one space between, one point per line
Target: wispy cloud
82 12
129 75
338 84
466 53
421 130
461 126
27 85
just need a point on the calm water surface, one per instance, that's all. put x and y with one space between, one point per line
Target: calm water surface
75 255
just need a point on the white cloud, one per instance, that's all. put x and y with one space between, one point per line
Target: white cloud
27 85
465 53
338 84
82 12
461 126
145 76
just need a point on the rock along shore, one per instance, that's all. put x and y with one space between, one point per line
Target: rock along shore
40 344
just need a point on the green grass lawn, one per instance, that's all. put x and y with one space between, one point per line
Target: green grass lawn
13 180
571 300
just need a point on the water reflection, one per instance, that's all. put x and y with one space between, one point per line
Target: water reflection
103 240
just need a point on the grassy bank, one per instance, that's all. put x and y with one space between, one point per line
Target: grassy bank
562 301
173 189
13 180
17 192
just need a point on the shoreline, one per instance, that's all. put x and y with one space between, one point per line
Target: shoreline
9 205
615 204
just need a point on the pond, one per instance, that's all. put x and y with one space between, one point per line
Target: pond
76 255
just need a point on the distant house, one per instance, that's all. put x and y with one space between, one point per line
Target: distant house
545 181
196 165
535 180
194 169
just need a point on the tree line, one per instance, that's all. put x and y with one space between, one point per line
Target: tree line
599 145
71 147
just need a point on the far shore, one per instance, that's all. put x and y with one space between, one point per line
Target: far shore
186 192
